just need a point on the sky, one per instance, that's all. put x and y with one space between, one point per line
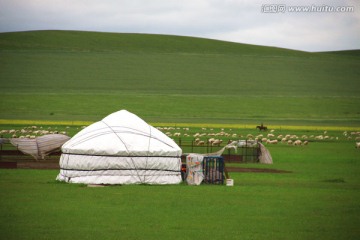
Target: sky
307 25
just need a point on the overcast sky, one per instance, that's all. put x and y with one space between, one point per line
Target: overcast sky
260 22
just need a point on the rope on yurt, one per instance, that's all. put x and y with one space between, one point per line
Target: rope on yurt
127 150
147 155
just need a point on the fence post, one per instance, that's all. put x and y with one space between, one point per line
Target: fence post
1 148
229 155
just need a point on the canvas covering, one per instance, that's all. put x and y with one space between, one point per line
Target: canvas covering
194 169
40 147
120 149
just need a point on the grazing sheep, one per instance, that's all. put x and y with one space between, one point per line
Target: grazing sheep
320 137
297 143
272 141
305 143
177 134
200 143
270 135
294 137
357 144
217 142
249 136
290 142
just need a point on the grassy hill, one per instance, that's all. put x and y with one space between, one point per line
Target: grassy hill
69 75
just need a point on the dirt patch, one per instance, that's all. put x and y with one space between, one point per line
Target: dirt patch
31 164
257 170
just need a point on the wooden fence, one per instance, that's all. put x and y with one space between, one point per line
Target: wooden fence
9 153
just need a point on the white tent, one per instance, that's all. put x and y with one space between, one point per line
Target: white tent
40 147
120 149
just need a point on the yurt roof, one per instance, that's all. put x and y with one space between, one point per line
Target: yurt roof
122 134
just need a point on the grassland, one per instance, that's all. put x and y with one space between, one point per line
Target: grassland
318 200
64 79
82 76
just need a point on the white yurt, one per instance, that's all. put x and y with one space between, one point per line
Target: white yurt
120 149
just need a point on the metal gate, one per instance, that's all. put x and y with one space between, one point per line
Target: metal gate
213 168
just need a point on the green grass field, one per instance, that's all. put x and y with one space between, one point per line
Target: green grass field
65 79
59 75
318 200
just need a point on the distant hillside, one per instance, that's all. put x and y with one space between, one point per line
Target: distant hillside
83 75
126 42
354 53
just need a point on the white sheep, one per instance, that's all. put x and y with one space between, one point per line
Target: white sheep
270 135
320 137
272 141
217 142
249 136
357 144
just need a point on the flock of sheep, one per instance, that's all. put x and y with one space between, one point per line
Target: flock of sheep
205 136
31 132
209 137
